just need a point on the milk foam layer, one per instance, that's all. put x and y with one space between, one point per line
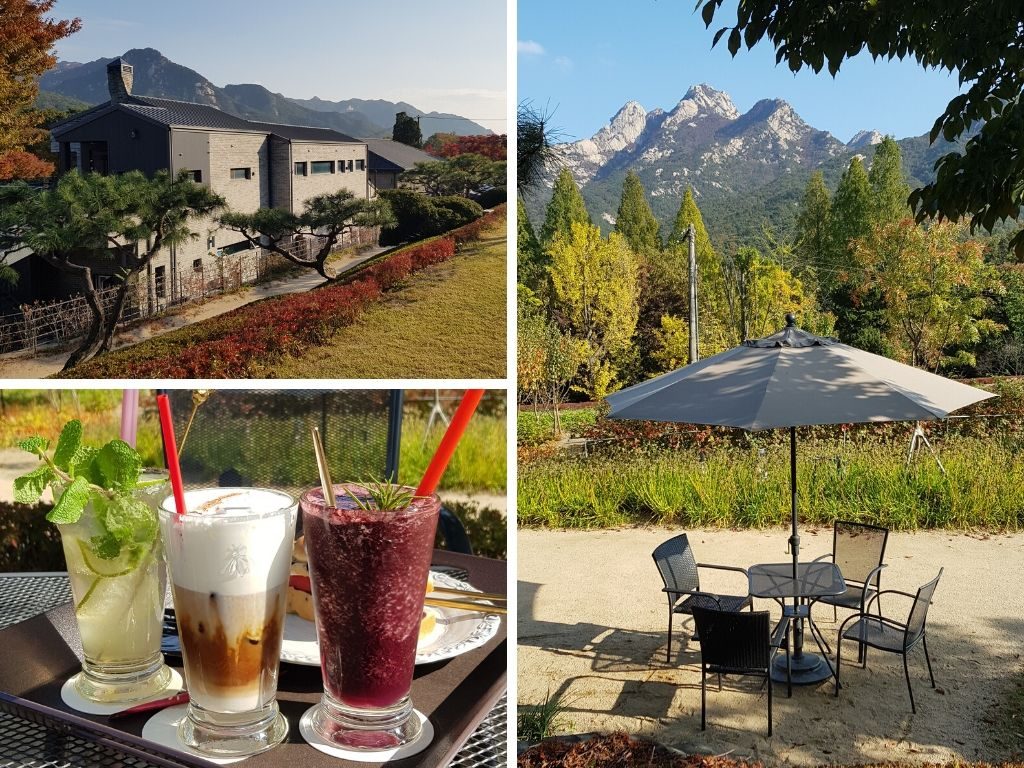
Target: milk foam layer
233 543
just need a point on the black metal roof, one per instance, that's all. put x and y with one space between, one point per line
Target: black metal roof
187 114
388 155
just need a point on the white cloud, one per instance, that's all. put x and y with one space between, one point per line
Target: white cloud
529 48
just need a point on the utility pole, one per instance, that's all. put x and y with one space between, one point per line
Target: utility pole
691 236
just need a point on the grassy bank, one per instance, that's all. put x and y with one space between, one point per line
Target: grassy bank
535 427
448 323
729 486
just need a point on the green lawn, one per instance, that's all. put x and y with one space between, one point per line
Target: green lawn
448 323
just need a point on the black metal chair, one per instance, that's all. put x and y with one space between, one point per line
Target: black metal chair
859 551
679 571
876 631
738 643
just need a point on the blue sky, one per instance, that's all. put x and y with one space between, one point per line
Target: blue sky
448 55
586 58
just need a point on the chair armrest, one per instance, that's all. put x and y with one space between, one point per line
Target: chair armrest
827 556
780 632
708 595
874 597
723 567
872 575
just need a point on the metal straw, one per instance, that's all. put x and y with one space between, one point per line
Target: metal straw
325 473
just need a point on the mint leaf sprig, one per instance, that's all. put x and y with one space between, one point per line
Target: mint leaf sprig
381 496
105 476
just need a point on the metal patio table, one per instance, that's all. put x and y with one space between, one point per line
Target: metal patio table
27 744
810 582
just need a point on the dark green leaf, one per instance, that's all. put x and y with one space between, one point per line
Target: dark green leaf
129 519
34 445
119 465
105 546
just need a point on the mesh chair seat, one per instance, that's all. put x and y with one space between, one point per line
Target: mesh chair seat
877 634
850 598
724 603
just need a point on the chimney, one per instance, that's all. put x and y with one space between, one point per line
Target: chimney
119 80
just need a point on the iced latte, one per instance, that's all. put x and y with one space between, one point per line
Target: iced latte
229 559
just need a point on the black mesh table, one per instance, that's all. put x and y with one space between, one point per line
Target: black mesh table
27 744
811 581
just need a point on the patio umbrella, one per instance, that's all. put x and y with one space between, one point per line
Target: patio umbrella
793 379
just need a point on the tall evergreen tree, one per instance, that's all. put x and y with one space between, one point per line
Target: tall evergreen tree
813 229
889 190
851 213
635 221
532 261
565 209
407 130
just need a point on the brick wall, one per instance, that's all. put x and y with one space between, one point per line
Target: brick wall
305 187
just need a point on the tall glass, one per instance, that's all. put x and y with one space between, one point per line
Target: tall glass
368 571
119 606
229 559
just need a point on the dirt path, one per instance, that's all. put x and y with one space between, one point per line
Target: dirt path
592 624
43 365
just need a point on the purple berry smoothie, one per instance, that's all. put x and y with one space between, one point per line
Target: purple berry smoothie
368 571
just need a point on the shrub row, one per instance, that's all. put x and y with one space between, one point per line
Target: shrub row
240 342
729 486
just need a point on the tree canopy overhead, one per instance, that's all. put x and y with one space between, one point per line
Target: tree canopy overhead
982 42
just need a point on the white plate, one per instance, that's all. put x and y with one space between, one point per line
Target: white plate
454 633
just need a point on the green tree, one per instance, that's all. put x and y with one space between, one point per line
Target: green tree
565 209
108 222
595 283
936 288
635 221
462 175
814 229
530 257
324 221
407 130
982 180
889 189
535 141
851 216
671 348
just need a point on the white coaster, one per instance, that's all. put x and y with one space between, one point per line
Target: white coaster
72 698
162 729
364 756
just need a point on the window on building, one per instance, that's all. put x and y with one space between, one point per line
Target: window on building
197 176
360 165
197 265
160 282
241 173
322 166
300 169
211 242
341 166
350 165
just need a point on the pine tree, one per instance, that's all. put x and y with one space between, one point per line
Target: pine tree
406 130
635 221
532 261
851 213
566 207
889 190
813 227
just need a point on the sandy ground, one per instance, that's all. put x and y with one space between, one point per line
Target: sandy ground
17 366
592 627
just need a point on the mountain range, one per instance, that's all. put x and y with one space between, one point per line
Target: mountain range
745 168
156 75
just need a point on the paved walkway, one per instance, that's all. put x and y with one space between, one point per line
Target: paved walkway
592 623
18 366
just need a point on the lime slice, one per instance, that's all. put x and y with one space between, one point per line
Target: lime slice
94 567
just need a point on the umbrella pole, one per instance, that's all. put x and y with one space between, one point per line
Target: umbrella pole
794 545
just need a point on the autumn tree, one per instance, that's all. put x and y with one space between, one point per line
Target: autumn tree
491 145
407 130
759 292
26 52
936 288
565 209
324 221
91 224
983 180
595 283
635 221
889 189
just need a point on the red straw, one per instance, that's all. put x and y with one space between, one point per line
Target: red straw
171 452
449 442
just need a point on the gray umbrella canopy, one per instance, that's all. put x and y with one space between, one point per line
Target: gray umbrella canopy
793 379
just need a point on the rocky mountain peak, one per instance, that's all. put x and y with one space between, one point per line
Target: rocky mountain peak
865 139
711 101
